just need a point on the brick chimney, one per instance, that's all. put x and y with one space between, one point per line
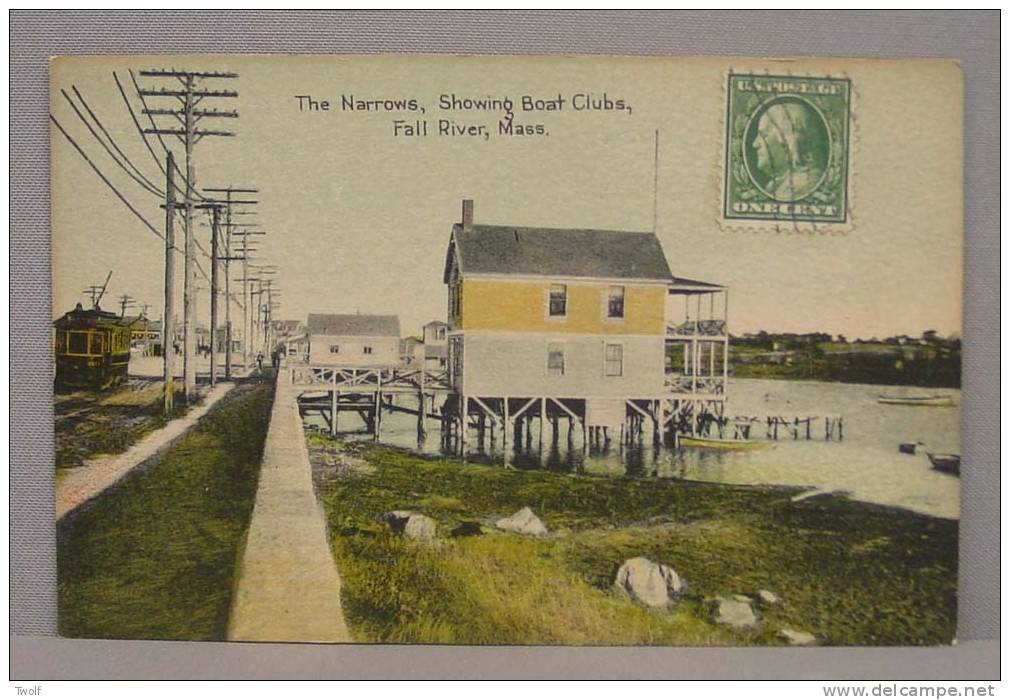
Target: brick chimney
467 214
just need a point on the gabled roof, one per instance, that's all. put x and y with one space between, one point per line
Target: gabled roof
354 324
518 250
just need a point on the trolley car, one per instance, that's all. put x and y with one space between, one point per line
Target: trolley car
92 348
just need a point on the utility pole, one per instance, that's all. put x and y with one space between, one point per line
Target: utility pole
228 258
215 213
168 322
247 309
189 96
125 302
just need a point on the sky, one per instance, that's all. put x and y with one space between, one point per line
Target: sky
358 218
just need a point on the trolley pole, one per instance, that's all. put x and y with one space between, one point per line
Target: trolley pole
168 321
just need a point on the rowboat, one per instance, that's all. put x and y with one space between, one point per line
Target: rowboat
723 443
938 400
946 463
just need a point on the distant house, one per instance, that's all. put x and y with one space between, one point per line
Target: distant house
435 345
145 335
354 340
287 328
412 351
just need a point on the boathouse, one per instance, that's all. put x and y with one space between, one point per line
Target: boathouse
354 340
588 325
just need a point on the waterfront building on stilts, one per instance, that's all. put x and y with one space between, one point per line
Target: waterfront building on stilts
586 332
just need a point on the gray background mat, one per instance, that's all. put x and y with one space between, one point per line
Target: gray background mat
969 37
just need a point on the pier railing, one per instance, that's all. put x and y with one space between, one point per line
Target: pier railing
368 379
712 328
687 384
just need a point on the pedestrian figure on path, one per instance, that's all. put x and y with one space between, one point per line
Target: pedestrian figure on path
259 362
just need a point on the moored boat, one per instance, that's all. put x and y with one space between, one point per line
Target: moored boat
723 443
946 463
938 400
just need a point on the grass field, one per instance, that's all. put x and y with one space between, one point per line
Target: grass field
154 556
847 572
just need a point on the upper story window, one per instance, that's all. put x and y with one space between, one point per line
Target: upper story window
555 359
367 349
440 334
334 349
615 302
558 301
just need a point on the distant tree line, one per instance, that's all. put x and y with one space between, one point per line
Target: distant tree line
925 360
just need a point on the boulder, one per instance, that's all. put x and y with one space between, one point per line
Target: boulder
735 614
767 597
648 582
420 527
740 598
798 638
396 519
410 524
523 522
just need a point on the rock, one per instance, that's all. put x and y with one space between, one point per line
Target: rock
742 598
467 529
735 614
767 597
420 527
396 519
523 522
798 638
410 524
648 582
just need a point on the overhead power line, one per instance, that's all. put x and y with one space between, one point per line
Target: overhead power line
108 150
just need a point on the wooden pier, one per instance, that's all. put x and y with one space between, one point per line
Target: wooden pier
484 423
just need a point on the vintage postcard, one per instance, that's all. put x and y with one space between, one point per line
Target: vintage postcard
507 349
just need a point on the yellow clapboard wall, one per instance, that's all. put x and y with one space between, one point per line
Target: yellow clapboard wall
521 306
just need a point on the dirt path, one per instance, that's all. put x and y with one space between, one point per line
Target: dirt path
85 482
288 585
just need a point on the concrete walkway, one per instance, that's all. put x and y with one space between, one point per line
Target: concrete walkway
94 476
288 586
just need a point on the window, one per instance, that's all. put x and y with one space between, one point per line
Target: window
455 300
78 344
615 302
441 334
558 302
367 349
614 360
555 359
334 349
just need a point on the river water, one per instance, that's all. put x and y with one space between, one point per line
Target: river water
866 464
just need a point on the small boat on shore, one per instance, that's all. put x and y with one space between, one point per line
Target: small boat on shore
937 400
723 443
946 463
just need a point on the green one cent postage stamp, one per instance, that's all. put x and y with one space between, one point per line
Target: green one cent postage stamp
787 149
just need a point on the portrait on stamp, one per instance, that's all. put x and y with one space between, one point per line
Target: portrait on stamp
787 149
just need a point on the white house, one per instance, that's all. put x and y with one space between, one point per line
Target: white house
354 340
435 345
